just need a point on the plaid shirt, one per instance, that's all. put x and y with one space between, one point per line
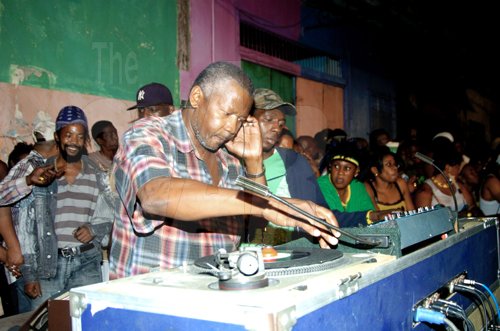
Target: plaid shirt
13 187
17 194
160 147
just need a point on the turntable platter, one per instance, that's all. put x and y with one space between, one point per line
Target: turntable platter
301 257
311 259
280 256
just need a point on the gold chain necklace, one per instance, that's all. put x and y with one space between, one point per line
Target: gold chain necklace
439 184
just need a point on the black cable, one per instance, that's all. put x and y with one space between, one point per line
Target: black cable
495 313
452 309
495 316
485 299
481 306
471 290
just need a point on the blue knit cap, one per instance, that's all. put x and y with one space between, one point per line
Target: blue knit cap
70 115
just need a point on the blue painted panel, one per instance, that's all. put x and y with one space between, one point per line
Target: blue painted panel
111 319
384 305
387 304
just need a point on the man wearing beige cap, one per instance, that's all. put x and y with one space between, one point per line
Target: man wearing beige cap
288 174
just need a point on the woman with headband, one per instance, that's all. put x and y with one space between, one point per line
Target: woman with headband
340 187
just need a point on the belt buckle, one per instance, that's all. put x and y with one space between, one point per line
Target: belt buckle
68 252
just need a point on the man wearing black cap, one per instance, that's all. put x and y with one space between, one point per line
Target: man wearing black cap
153 99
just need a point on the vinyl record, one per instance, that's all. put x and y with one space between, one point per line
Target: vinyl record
298 257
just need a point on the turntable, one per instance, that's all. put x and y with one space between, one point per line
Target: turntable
240 288
348 291
249 268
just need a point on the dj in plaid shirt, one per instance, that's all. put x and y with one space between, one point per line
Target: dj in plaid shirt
179 167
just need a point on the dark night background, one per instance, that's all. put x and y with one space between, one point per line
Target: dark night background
435 51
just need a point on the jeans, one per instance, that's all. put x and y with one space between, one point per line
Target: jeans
23 300
74 271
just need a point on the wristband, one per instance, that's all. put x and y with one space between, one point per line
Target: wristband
368 219
253 176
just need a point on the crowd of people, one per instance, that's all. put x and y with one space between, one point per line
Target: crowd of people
382 174
164 193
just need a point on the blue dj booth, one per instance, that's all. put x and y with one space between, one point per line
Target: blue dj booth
364 290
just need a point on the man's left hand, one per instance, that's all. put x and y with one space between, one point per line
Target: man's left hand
83 234
247 144
285 216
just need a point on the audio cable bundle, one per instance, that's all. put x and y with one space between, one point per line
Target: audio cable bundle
444 312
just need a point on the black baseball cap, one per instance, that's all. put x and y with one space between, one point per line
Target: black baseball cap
152 94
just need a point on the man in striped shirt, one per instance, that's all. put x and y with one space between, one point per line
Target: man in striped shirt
175 176
73 214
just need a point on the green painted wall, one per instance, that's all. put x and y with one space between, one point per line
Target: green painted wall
107 48
279 82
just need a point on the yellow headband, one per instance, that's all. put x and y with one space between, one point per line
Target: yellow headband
346 158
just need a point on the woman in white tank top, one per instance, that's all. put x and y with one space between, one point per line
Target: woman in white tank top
441 198
435 190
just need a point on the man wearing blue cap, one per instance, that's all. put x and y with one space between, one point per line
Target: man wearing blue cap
153 99
73 211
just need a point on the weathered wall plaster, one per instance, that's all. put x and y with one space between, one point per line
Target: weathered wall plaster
20 105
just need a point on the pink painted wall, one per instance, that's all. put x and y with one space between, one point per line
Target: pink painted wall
21 104
215 34
279 16
214 37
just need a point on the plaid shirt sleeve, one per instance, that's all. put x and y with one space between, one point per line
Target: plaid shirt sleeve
13 187
152 149
144 157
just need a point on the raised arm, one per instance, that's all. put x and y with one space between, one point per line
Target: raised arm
190 200
20 180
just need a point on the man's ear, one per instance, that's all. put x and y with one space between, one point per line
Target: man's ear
196 96
146 112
